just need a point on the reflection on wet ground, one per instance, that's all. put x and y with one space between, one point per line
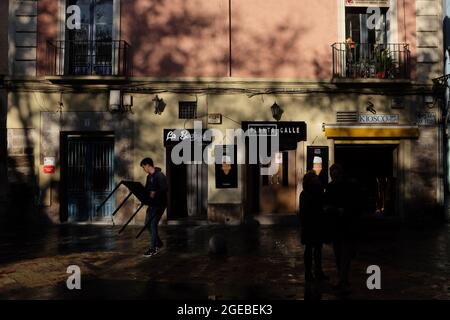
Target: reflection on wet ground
264 262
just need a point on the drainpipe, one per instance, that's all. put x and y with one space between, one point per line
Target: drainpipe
445 111
444 134
230 60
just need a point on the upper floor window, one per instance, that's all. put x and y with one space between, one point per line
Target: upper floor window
370 49
90 49
360 31
96 20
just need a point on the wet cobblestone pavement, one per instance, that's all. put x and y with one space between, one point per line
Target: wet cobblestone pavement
264 262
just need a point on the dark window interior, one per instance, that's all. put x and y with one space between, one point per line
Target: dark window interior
187 110
89 49
356 27
372 169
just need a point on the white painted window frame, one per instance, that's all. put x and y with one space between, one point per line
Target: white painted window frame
391 15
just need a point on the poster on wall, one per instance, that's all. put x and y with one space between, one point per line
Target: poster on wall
367 3
226 166
49 165
318 154
426 118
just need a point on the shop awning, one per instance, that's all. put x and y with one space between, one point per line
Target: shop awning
378 131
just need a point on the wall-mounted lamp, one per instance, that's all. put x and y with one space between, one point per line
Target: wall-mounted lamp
277 112
115 101
158 104
127 102
120 103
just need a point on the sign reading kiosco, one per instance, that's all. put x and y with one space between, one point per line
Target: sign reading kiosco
378 118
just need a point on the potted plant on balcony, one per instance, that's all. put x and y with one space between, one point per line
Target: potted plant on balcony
383 62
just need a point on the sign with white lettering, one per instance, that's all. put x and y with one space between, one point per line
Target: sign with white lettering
378 118
426 118
174 136
367 3
285 129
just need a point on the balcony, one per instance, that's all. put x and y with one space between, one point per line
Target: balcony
371 61
88 58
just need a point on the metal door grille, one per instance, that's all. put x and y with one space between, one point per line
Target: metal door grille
90 177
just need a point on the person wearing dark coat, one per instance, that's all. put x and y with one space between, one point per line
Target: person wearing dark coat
340 205
311 222
156 186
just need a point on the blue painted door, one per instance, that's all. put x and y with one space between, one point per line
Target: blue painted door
90 177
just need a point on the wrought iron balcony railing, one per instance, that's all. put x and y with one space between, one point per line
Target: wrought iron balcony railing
74 58
366 60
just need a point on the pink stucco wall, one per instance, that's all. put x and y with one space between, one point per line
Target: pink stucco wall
283 38
47 29
407 29
177 37
270 38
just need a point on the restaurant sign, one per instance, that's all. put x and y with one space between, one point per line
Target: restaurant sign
367 3
284 129
174 136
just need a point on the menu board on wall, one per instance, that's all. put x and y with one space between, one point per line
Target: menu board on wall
367 3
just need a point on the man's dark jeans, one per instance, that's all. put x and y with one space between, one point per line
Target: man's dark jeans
152 218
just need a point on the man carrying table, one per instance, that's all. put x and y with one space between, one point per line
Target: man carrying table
156 186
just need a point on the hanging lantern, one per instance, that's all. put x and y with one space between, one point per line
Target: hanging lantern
277 112
158 104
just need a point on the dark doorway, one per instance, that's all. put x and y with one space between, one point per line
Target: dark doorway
188 190
373 169
87 176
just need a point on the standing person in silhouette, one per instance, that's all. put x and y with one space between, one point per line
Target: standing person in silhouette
341 206
311 222
156 186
